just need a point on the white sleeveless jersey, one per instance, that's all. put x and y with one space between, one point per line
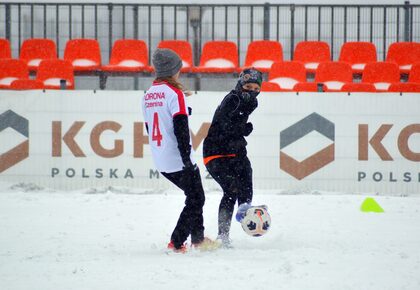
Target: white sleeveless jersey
160 104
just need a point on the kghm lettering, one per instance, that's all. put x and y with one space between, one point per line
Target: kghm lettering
69 139
378 147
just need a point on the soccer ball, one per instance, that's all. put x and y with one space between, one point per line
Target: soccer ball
257 221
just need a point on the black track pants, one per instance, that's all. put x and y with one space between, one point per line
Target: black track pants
190 221
235 177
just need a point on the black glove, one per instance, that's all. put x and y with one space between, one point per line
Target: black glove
249 96
246 97
189 167
189 175
247 129
250 100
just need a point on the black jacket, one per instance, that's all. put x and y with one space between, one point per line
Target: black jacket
230 125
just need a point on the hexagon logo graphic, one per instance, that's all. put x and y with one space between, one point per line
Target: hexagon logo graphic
10 119
301 169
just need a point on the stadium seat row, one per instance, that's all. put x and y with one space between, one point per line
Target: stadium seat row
51 74
131 56
337 76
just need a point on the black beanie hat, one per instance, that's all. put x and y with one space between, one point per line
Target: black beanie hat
250 75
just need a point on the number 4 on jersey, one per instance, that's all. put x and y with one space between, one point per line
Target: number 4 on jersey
156 135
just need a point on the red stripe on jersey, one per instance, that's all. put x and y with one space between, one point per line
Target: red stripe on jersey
181 100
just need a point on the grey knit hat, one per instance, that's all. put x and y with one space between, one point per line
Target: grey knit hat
166 62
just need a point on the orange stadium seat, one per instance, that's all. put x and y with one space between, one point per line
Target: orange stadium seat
33 51
11 70
308 87
128 55
358 54
51 71
311 54
183 49
286 74
261 54
270 87
83 54
358 87
333 75
404 87
405 54
414 76
218 57
413 84
381 75
5 50
26 84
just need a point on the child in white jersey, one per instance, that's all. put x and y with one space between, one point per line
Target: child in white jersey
166 117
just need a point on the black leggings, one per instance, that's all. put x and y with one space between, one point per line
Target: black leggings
235 177
190 221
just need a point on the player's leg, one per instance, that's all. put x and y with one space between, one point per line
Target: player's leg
194 203
245 188
190 220
222 171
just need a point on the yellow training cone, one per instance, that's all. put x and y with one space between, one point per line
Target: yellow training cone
370 205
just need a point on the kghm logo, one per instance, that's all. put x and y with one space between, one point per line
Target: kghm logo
10 119
313 122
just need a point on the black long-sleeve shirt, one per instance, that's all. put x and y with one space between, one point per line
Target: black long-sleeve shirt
182 134
228 128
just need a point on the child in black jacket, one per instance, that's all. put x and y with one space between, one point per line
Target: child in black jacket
224 148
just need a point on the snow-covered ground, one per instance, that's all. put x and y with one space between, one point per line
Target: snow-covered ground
114 240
